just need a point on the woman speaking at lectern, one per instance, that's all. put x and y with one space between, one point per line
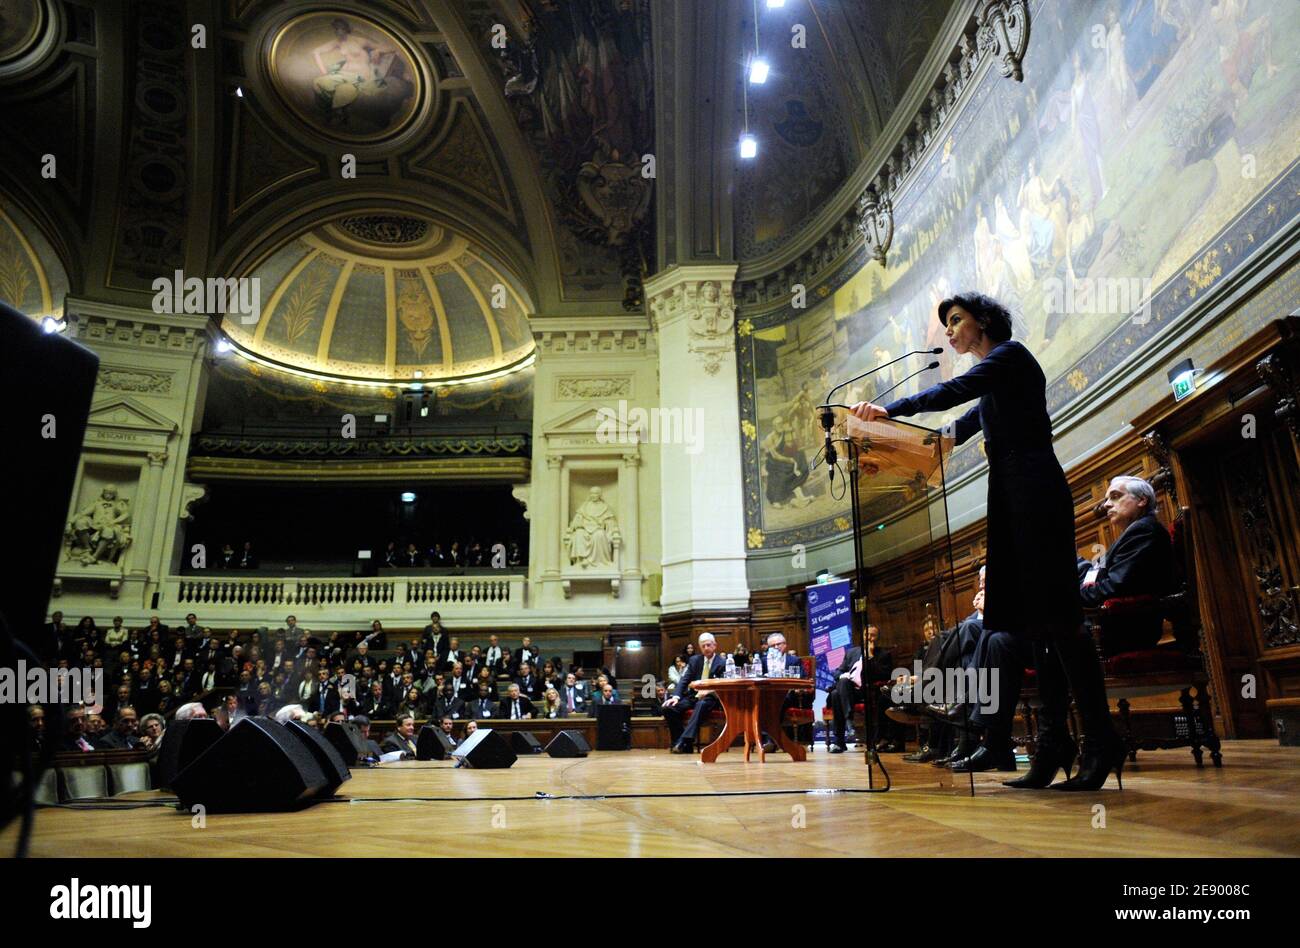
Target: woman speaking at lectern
1031 580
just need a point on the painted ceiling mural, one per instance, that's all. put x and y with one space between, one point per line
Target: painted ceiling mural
32 278
823 106
383 296
1042 190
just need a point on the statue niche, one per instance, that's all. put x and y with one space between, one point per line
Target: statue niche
101 532
592 538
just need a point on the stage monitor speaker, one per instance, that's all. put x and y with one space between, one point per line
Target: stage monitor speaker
614 727
524 742
568 744
257 766
432 744
330 760
182 744
485 749
347 740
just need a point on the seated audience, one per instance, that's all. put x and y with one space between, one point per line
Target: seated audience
74 731
363 724
448 704
575 694
607 695
446 725
152 728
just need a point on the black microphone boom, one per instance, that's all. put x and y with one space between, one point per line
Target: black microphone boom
828 416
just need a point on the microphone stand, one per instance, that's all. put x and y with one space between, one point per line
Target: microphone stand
869 704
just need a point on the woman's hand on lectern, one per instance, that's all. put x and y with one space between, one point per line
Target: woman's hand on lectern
868 412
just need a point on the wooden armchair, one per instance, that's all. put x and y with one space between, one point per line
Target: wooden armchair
1169 666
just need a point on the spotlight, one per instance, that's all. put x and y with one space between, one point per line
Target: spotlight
408 496
418 374
415 387
758 70
51 325
775 4
224 346
748 146
239 92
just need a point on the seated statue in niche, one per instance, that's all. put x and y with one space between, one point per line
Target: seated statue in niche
593 536
102 531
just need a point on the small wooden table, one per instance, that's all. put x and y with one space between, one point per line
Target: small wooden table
752 706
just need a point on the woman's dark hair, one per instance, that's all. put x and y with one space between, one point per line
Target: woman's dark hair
989 314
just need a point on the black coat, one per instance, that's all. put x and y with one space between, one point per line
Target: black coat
695 670
1141 563
1031 580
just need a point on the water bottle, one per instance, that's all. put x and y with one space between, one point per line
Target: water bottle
731 667
757 666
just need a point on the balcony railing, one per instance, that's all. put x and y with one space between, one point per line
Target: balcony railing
400 598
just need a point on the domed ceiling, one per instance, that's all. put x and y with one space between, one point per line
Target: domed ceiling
386 297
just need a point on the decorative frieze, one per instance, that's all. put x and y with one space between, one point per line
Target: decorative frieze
144 381
584 388
613 341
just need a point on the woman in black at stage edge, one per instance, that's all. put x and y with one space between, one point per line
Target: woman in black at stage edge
1031 580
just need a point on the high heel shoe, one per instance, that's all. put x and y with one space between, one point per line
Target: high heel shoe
1047 761
1095 765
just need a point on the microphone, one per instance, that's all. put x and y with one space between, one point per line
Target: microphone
828 417
906 378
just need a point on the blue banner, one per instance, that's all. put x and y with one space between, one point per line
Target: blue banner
830 633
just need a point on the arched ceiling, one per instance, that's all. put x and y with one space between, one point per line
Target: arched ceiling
519 126
386 297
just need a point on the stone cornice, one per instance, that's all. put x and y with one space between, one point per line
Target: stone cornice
95 323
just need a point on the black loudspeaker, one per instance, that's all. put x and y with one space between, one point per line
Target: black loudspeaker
485 749
568 744
256 766
347 740
524 742
330 760
613 727
432 744
182 744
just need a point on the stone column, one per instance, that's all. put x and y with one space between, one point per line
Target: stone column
699 424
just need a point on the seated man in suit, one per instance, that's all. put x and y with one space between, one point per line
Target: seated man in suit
446 725
363 724
447 704
852 679
483 706
1141 563
530 684
607 695
575 695
777 652
706 664
515 706
403 739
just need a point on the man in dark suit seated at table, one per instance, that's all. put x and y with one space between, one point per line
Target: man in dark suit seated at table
702 666
1141 563
402 739
852 679
776 644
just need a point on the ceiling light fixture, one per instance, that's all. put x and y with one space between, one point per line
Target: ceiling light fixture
758 70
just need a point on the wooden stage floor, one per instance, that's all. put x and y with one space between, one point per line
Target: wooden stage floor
652 803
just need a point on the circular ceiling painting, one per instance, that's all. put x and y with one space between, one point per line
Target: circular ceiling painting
20 25
386 297
345 76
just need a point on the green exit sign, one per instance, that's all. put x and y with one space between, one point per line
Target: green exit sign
1183 387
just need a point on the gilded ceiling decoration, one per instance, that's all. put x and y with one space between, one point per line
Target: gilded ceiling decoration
386 297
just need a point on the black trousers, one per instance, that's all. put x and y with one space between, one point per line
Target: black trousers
842 698
685 733
1000 661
